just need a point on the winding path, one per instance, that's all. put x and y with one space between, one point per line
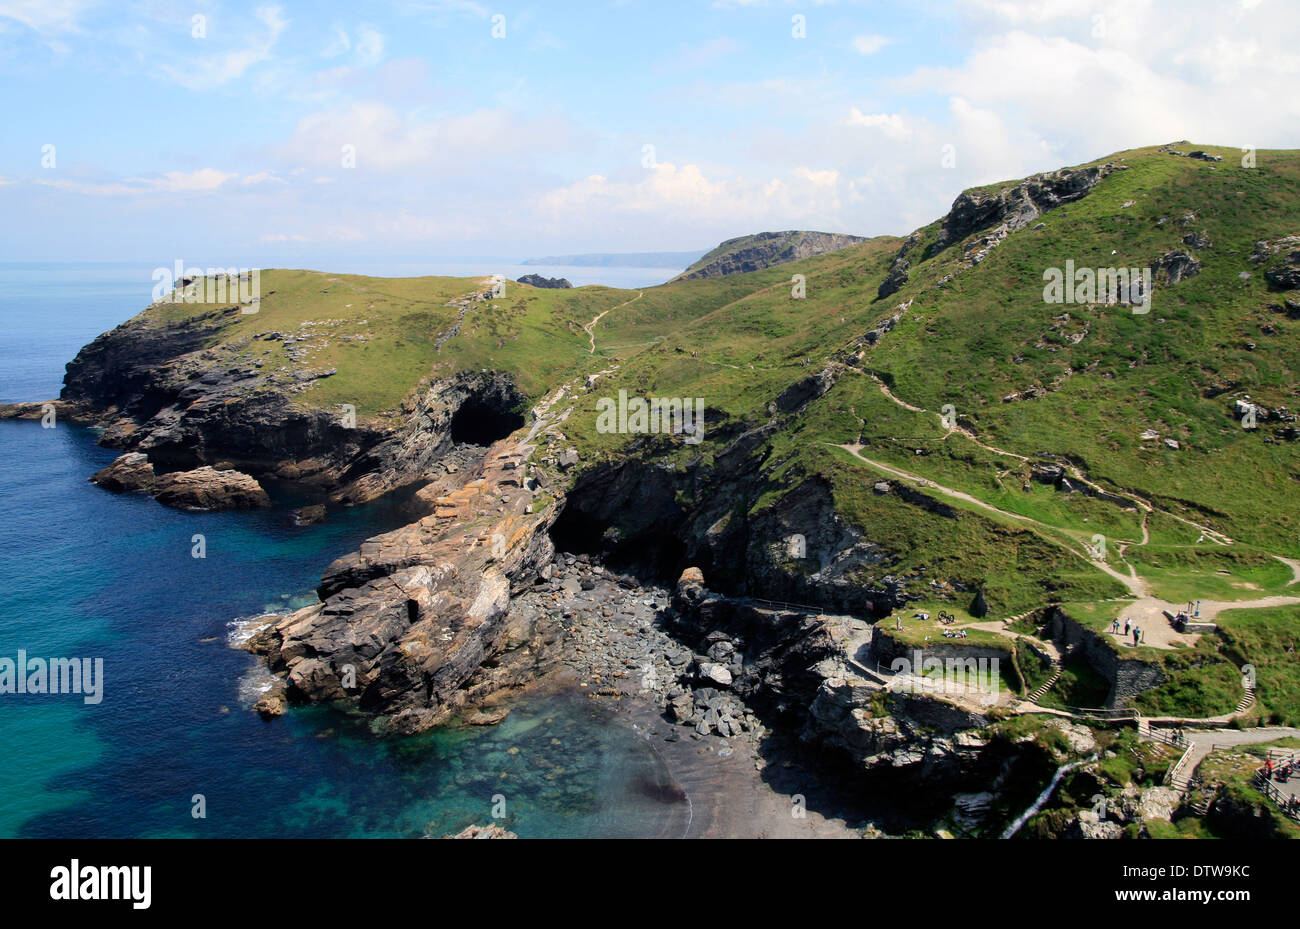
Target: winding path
590 328
1144 505
1136 585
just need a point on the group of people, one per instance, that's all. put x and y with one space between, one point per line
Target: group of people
1129 625
1280 773
954 633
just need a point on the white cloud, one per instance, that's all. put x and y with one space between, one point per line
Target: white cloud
890 124
685 199
869 44
261 177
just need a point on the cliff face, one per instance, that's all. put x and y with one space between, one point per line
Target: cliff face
764 249
416 624
185 399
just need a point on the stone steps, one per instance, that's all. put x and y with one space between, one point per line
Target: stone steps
1047 685
1247 700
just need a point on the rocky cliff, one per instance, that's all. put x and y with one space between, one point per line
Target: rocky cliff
765 249
417 624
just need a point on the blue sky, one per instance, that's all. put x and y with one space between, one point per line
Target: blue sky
216 132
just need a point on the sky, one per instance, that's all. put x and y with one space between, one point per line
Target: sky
273 134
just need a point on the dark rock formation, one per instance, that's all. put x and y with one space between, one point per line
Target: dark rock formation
765 249
899 269
549 283
1281 260
157 390
1176 266
309 515
204 488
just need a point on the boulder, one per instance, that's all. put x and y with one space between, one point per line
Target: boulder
690 586
131 471
1159 803
1176 266
207 488
309 515
716 674
549 283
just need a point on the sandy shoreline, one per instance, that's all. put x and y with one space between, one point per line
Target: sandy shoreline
729 796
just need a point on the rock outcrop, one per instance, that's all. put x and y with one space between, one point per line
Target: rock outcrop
1016 206
1176 266
167 391
547 283
483 832
765 249
1281 260
207 488
204 488
417 624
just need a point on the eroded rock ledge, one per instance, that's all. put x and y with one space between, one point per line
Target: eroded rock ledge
416 625
204 488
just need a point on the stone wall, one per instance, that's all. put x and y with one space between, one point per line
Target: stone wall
1128 676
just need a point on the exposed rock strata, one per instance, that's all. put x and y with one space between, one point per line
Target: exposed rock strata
417 624
165 390
204 488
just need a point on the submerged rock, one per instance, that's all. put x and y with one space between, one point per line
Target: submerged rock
483 832
310 515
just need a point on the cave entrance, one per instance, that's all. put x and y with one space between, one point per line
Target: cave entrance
656 555
482 422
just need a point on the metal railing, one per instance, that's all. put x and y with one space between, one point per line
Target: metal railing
1101 713
1175 738
1171 775
1288 806
785 605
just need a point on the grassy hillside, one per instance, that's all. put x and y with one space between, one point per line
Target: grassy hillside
1092 389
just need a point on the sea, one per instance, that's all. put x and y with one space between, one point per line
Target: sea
171 749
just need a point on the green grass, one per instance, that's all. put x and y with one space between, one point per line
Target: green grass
1267 639
739 341
1183 573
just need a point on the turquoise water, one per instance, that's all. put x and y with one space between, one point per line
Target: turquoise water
85 573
